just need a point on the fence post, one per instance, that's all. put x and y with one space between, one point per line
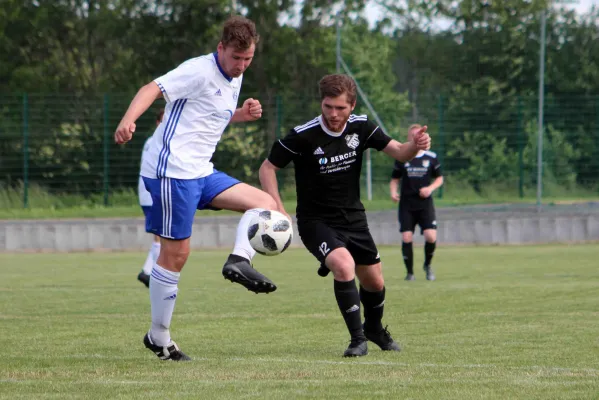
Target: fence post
25 151
597 130
520 140
441 141
106 148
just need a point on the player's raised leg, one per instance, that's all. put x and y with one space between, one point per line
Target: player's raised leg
249 200
372 295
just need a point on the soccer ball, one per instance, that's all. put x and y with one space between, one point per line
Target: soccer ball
270 233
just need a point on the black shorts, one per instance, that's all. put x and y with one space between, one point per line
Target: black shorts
408 219
321 239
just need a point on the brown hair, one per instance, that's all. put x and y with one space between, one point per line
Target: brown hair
239 32
337 84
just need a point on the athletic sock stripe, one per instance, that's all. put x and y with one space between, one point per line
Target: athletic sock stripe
162 281
162 278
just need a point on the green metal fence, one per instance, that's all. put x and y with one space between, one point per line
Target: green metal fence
57 150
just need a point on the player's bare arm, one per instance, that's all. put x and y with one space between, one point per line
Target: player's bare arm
268 181
393 185
428 190
250 111
406 151
140 103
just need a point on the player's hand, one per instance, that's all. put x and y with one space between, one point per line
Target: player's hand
282 211
422 139
395 197
124 132
425 192
252 109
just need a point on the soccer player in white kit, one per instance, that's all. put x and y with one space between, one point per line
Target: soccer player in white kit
145 202
201 100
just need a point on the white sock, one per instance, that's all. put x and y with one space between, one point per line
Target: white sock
163 294
151 258
242 246
155 249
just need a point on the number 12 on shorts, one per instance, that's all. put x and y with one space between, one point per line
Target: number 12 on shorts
324 248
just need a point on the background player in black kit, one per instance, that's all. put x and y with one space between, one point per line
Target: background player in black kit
327 153
419 178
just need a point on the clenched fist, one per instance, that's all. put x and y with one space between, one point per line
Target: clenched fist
422 139
124 132
252 109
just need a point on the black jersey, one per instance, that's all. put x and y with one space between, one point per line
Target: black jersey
328 167
414 175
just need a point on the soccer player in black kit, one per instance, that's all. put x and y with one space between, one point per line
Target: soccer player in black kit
327 154
419 178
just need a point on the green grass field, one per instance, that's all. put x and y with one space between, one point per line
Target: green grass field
499 323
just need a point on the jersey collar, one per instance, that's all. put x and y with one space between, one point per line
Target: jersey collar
222 71
327 130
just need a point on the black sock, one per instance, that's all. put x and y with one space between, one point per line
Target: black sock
429 250
374 305
348 300
408 256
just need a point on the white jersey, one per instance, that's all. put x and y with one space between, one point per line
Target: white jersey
145 198
201 99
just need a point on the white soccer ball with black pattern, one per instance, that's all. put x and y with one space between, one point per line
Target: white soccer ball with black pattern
270 233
